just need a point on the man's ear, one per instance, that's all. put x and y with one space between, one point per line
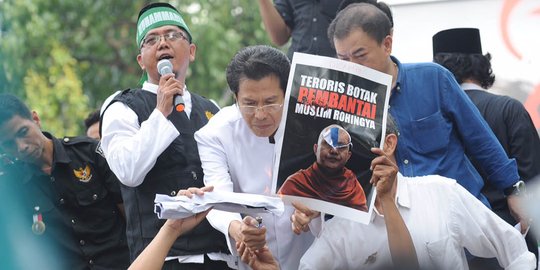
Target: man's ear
35 117
387 42
390 144
192 52
315 149
139 60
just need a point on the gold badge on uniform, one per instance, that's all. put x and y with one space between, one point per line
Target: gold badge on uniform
84 175
38 227
208 114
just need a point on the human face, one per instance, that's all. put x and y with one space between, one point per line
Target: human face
333 159
360 48
266 91
93 131
180 52
22 138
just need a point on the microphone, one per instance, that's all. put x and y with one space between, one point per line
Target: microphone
164 66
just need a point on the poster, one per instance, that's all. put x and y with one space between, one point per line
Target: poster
322 92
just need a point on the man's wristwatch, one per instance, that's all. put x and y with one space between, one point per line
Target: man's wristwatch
517 189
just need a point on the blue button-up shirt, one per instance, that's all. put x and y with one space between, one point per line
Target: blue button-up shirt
440 126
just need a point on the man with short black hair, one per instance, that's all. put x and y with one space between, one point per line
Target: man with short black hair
237 151
150 146
68 204
438 123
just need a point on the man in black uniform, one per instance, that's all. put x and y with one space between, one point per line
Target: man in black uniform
67 201
304 21
460 51
150 147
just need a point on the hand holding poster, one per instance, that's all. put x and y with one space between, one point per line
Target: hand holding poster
335 113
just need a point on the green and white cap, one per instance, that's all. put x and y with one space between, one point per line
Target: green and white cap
156 15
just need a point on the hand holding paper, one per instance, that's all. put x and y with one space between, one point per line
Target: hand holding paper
181 206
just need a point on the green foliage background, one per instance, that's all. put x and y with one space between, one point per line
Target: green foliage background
65 57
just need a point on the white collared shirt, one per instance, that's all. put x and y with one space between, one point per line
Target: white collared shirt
234 159
131 149
442 218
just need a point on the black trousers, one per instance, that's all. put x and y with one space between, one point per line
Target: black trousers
207 265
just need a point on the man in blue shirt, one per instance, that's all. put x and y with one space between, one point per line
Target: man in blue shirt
438 123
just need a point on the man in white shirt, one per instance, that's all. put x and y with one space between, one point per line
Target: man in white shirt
150 147
237 151
441 216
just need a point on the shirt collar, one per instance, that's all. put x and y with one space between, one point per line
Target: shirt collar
400 75
471 86
402 196
59 153
278 136
150 87
59 156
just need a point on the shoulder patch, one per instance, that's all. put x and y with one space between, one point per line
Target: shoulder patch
99 150
208 114
76 140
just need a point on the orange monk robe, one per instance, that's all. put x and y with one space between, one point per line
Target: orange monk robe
342 188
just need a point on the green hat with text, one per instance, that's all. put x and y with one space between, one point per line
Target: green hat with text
156 15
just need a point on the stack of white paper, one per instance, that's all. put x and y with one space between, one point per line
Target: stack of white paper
181 206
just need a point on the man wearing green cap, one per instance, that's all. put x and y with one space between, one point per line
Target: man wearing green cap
150 146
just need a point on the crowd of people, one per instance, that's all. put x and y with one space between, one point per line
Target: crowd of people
449 178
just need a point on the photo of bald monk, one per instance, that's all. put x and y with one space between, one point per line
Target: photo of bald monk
327 178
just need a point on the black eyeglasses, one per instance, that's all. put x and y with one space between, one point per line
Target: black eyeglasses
152 40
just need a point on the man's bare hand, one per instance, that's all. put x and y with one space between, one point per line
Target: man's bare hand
181 226
261 259
248 232
301 218
515 206
384 173
168 87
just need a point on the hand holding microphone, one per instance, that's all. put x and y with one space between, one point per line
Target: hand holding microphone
164 66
